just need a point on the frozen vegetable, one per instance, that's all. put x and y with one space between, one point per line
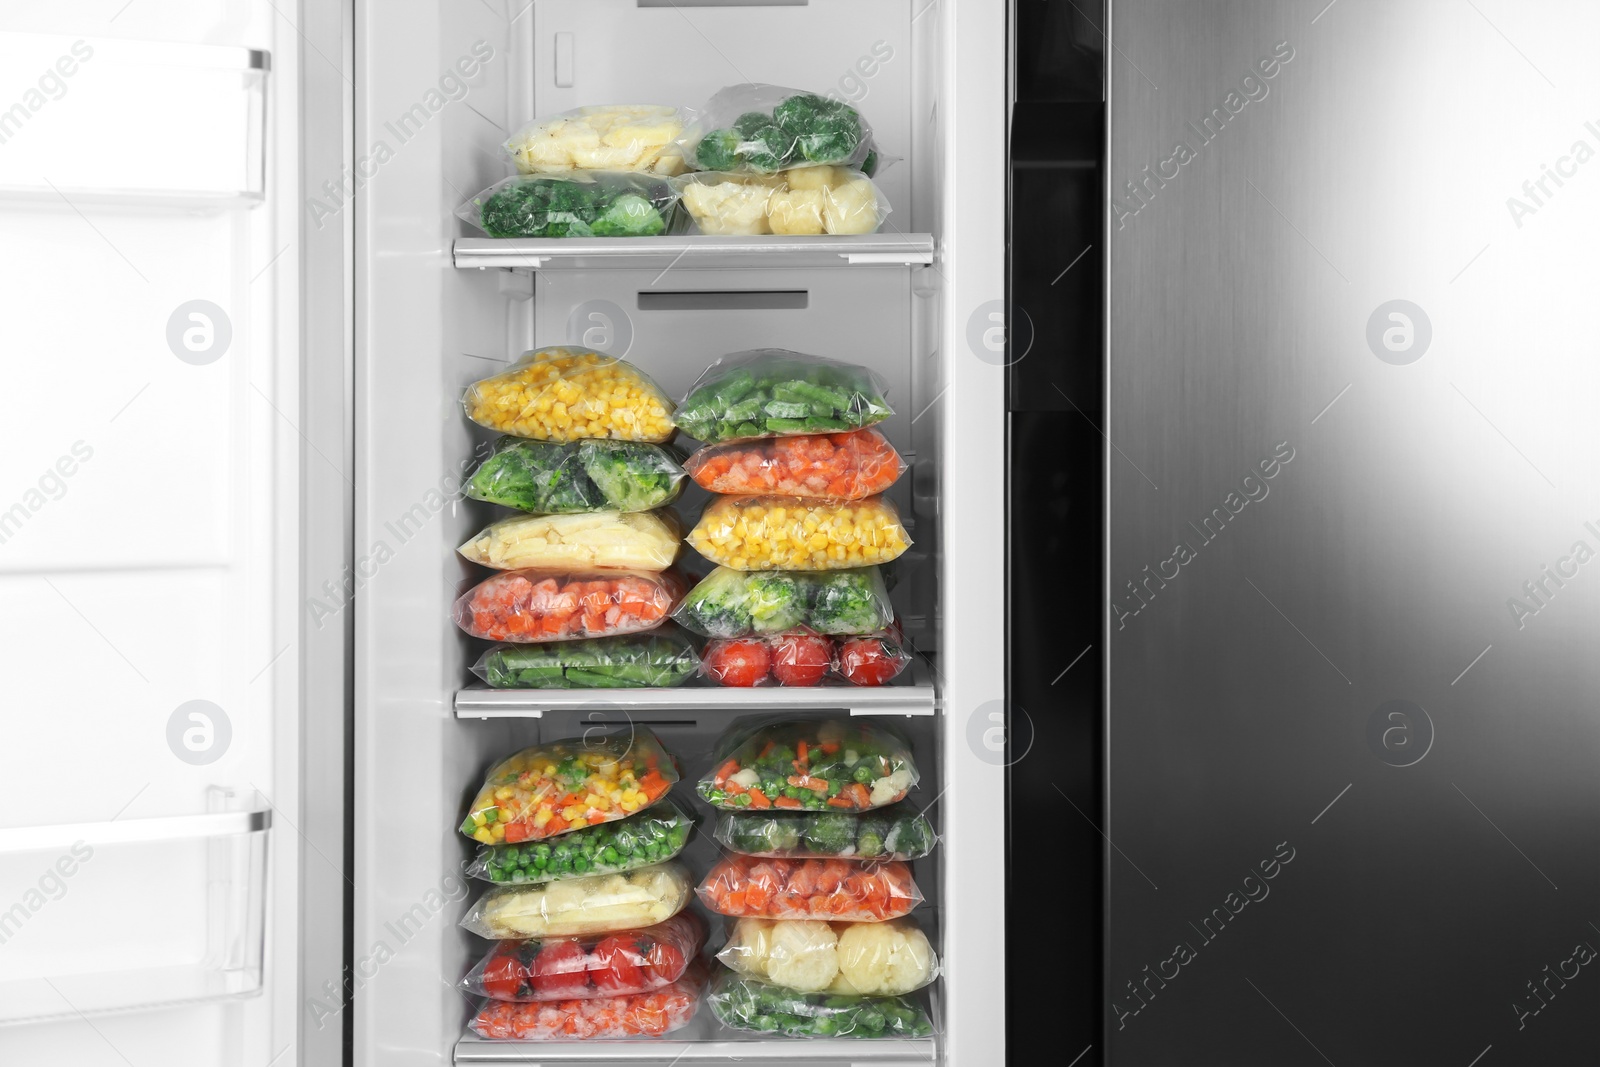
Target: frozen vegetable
802 658
772 392
595 540
810 956
653 835
805 202
566 785
837 764
838 890
661 657
546 478
592 904
748 1004
569 394
840 466
597 203
893 834
532 606
651 1014
730 603
763 533
636 137
599 965
764 128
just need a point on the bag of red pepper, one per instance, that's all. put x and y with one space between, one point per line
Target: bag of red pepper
581 968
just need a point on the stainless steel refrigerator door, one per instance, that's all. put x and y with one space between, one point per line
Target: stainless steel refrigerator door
1354 533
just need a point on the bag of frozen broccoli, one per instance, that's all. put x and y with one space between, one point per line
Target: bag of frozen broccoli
772 392
562 479
596 203
730 603
897 833
759 128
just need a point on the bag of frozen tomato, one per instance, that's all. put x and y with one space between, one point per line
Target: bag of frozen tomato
566 393
631 1015
730 603
837 466
579 968
749 1004
528 606
545 478
766 533
803 658
760 128
596 540
590 904
891 834
632 137
835 890
847 959
567 785
595 203
651 836
656 658
835 764
771 392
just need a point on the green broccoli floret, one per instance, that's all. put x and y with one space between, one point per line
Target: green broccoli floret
754 834
718 150
631 477
768 149
833 137
630 215
751 121
830 833
910 836
717 607
869 166
774 601
798 113
850 602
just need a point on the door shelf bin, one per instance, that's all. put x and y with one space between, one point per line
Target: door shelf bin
235 862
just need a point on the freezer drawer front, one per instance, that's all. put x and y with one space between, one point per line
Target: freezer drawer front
1353 521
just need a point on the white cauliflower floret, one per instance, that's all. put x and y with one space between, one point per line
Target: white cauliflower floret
610 137
884 790
883 959
749 947
852 207
795 211
813 177
804 955
728 207
746 778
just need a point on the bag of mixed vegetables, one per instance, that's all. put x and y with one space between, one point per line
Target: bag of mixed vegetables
748 1004
803 658
594 540
730 603
807 201
658 658
892 834
567 785
654 835
581 968
531 606
546 478
630 1015
591 904
850 959
771 392
838 466
566 393
764 533
833 764
835 890
619 137
758 128
594 203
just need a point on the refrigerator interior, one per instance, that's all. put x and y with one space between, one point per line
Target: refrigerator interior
425 329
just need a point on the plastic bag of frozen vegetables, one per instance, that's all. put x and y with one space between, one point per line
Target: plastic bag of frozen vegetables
535 606
766 533
566 393
595 203
803 658
636 137
546 478
595 540
749 1004
762 128
835 890
806 201
580 968
770 392
658 658
833 764
839 466
730 603
590 904
629 1015
567 785
654 835
809 956
892 834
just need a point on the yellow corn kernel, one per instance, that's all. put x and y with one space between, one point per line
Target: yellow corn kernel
483 837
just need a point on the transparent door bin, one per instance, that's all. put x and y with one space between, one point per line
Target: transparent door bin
226 847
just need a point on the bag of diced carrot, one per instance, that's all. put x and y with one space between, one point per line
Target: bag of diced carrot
836 890
524 606
651 1014
840 466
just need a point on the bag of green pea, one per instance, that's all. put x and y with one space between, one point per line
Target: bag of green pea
651 836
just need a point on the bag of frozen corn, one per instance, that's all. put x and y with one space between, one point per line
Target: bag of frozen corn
566 393
637 137
596 540
763 533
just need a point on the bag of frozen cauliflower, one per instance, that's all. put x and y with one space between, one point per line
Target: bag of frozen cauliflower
637 137
765 533
566 393
803 201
